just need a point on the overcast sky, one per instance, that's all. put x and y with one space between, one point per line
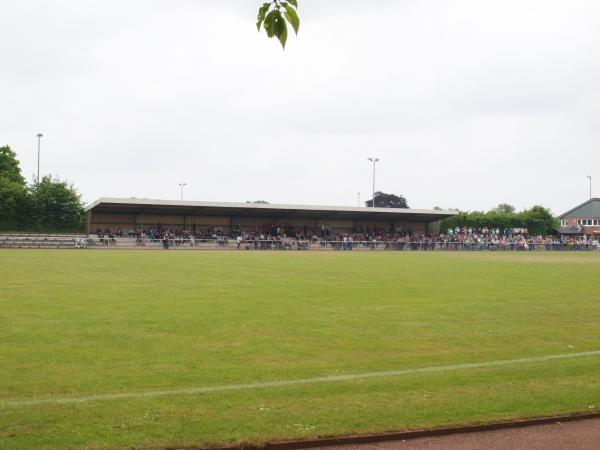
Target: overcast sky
467 103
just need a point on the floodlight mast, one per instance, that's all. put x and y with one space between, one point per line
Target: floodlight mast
181 185
39 136
374 161
590 178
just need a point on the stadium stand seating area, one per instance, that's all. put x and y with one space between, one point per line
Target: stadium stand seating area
29 240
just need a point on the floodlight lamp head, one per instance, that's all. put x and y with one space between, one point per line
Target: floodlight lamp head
39 135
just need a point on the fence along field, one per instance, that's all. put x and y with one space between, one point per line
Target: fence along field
91 339
25 240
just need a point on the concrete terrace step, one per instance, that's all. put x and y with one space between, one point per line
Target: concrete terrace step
30 240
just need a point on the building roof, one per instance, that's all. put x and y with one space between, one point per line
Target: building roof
141 206
589 209
571 230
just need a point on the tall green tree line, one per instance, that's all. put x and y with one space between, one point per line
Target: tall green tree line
48 205
538 220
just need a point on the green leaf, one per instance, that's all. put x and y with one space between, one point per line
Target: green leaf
269 22
280 28
262 12
292 18
294 2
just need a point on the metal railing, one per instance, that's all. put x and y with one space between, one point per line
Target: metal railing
225 243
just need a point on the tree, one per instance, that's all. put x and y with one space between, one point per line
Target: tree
13 200
383 200
49 204
12 190
539 220
504 208
9 166
274 16
55 205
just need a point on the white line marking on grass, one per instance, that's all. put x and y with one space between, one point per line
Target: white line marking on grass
274 384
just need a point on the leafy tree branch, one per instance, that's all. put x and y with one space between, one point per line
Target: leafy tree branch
274 16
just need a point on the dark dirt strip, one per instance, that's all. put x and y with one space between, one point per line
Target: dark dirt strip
576 435
571 432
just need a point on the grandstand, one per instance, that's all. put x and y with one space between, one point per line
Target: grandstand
132 215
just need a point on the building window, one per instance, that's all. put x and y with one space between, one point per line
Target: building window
579 222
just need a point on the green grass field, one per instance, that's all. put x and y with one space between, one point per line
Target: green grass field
75 324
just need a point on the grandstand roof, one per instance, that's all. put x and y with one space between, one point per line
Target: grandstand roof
141 206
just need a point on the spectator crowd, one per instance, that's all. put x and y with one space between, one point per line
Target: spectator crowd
287 236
